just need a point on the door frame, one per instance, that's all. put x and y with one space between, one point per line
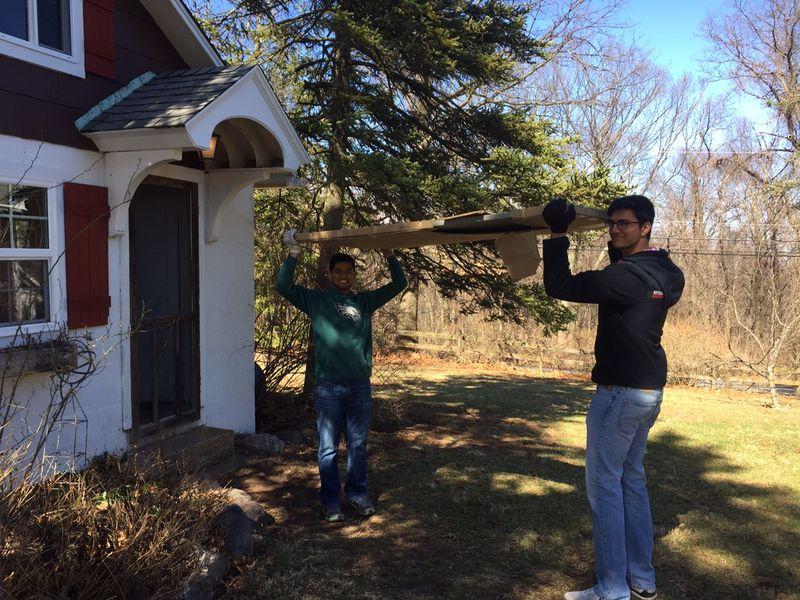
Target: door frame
138 430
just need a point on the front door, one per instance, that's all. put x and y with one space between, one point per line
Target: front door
164 313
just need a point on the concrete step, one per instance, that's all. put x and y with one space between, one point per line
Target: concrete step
187 451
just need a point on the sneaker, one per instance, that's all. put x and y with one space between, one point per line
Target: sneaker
584 595
364 507
333 514
643 594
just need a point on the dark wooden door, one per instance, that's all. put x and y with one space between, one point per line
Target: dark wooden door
164 309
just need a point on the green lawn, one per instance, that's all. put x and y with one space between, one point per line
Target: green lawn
481 496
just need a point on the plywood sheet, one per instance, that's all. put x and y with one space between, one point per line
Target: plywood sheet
469 227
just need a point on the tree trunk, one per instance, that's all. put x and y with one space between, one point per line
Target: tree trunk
408 317
773 388
333 210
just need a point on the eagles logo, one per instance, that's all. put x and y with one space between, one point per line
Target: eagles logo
349 312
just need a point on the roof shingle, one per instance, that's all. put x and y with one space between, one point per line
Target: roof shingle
167 100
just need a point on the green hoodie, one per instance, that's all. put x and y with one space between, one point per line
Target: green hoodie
342 323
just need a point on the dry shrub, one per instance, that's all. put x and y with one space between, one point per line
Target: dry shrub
106 532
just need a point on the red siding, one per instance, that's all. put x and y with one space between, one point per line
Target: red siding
40 104
86 233
98 35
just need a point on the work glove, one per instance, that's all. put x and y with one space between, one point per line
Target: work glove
558 214
614 255
291 243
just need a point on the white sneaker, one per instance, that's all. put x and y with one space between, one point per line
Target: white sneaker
584 595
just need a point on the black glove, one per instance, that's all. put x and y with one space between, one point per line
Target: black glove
613 254
558 214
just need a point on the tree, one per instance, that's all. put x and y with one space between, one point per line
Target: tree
754 45
397 102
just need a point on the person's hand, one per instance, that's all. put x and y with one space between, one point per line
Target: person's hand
558 214
291 243
613 254
387 252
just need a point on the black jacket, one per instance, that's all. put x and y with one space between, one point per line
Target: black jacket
633 295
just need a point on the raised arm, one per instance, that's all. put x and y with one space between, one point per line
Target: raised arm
285 285
613 285
376 298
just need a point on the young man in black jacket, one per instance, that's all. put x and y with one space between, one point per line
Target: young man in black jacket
633 293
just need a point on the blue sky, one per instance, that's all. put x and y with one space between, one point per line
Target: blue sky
671 30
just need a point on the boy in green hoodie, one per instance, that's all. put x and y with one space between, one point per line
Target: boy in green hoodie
341 322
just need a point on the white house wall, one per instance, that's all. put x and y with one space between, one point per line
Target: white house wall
99 402
226 307
226 326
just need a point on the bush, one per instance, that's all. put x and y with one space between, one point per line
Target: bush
105 532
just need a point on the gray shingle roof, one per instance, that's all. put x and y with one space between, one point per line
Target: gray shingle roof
166 100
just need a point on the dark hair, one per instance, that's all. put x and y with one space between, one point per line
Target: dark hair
340 257
641 206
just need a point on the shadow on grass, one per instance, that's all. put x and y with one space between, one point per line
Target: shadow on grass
479 497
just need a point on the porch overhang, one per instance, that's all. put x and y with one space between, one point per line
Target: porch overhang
154 119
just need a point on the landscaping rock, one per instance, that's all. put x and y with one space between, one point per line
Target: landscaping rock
265 443
242 522
291 436
237 531
202 584
251 508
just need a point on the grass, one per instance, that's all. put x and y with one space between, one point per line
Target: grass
481 495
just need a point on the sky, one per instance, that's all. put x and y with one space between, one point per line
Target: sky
671 30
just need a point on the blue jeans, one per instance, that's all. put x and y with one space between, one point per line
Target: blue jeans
337 404
617 425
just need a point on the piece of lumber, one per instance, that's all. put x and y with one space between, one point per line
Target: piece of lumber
469 227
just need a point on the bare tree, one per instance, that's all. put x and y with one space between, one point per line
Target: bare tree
754 45
623 113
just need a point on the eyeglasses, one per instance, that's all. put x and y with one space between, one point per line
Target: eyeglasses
621 224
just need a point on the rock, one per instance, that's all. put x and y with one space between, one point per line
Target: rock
265 443
291 436
242 522
202 584
237 531
308 434
251 508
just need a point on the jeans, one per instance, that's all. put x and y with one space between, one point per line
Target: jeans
337 404
617 425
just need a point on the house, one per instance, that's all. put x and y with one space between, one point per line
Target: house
128 155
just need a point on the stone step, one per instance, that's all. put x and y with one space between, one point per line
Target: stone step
187 451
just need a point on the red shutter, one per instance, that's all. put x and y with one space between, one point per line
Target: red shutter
98 37
86 234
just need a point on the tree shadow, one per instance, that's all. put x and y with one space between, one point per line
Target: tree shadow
479 497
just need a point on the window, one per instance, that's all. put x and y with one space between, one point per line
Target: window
24 255
45 32
51 19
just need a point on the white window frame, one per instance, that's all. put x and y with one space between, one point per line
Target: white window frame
51 254
30 51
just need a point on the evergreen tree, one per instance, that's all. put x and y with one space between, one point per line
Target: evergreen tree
401 103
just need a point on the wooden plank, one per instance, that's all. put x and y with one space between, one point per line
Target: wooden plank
468 227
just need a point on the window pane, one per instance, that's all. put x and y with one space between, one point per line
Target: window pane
27 299
14 18
5 198
30 233
5 281
28 273
53 17
5 238
5 307
28 305
29 201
